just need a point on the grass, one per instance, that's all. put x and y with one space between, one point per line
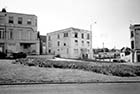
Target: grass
19 73
121 70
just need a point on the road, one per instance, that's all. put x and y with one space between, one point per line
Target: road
93 88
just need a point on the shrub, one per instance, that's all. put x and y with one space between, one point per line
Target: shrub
2 55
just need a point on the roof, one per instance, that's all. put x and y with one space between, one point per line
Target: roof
70 28
4 11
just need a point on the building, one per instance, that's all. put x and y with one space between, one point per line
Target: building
135 42
18 33
70 43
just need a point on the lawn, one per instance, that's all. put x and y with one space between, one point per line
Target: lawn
17 72
115 69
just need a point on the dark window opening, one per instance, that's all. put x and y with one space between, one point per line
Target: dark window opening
49 51
11 19
58 43
132 44
64 44
20 20
82 35
29 22
132 34
76 35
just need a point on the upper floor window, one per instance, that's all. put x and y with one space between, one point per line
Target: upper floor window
132 44
66 34
49 38
76 35
75 51
11 19
58 36
11 34
49 44
82 43
35 22
58 43
29 22
20 20
64 44
132 34
76 42
88 36
82 35
1 33
88 43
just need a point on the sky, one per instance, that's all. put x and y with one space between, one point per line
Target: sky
110 19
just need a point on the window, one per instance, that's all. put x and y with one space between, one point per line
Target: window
76 35
10 34
82 43
20 20
58 43
49 44
88 43
82 35
75 51
29 22
67 50
76 42
1 33
58 36
49 38
49 50
64 44
35 22
11 19
132 44
88 36
66 34
132 34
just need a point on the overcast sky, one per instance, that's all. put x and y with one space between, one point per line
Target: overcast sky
112 17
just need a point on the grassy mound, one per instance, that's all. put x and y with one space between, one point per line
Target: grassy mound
104 68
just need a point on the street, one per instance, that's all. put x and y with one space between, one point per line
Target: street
93 88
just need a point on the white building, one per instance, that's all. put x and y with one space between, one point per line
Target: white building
70 43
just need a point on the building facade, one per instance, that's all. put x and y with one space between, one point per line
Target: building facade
135 42
70 43
18 33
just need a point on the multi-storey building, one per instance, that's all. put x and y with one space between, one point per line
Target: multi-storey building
70 43
18 32
135 42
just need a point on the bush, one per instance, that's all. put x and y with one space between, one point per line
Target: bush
2 55
19 55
